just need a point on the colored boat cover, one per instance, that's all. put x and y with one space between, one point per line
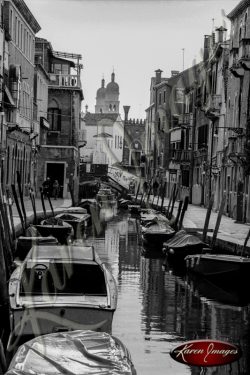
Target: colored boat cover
76 352
182 239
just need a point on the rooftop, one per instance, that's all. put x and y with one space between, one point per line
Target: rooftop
95 118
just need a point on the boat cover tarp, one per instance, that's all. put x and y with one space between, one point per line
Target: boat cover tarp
75 352
159 227
182 239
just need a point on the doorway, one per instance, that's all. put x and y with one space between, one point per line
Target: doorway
56 171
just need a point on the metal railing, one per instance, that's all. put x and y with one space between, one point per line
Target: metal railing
186 119
65 80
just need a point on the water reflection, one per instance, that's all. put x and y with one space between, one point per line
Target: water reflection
158 309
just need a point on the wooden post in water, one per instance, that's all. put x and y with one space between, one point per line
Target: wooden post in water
218 220
149 190
159 191
163 196
170 199
5 234
175 225
50 203
137 192
43 204
173 202
9 199
17 206
32 198
72 195
245 243
21 197
185 206
142 198
209 210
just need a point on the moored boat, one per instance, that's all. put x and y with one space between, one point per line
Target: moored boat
76 352
56 228
220 268
79 221
106 198
89 204
154 234
59 288
181 245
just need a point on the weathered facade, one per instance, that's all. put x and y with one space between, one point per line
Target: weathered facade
134 141
105 133
59 155
18 68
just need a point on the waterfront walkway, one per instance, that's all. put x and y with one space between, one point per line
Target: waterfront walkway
230 232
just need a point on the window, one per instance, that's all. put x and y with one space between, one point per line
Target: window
16 30
11 24
71 279
160 98
164 96
54 119
21 37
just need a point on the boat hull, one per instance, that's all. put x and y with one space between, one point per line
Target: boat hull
61 233
220 268
156 240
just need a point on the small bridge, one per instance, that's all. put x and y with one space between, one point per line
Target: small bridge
113 177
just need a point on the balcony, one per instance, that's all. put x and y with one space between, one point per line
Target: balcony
175 155
244 53
82 138
213 105
236 67
185 119
65 80
186 156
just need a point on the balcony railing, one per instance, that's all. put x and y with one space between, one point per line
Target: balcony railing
213 105
235 66
186 155
65 80
82 138
244 49
175 155
186 119
181 155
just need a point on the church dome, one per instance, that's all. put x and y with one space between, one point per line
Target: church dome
112 87
100 94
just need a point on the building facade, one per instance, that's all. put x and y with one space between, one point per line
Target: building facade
18 77
105 134
59 153
134 141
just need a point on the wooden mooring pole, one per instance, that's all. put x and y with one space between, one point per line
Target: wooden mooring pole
218 220
209 210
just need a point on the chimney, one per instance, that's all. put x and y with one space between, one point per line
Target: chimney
158 76
220 34
206 47
126 109
174 73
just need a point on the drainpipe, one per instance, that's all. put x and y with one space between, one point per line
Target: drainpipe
191 177
211 159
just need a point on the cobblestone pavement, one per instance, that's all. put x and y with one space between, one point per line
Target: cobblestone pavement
229 230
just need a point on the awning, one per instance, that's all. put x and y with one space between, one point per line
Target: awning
9 97
44 122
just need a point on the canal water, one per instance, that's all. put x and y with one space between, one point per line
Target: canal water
160 308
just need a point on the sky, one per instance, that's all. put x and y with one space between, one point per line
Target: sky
133 37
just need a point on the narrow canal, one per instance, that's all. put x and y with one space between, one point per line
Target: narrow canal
159 308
